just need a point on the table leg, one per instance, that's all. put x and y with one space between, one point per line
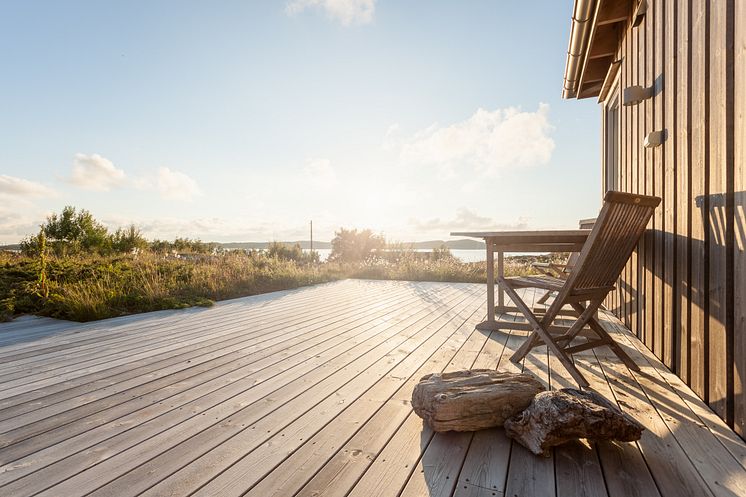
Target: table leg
501 274
490 282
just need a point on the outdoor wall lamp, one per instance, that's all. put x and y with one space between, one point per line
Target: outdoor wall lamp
635 94
654 138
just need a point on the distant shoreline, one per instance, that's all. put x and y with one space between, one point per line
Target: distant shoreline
461 244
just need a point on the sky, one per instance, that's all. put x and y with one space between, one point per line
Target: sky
245 120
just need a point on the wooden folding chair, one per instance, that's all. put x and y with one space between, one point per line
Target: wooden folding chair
618 228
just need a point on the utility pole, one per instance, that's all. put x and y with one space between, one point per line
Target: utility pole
311 235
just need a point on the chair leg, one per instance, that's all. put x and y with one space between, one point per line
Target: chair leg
604 335
544 297
583 317
531 342
540 333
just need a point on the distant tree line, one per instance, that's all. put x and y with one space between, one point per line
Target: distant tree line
74 231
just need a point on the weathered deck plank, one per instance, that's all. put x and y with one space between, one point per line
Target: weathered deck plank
239 403
307 392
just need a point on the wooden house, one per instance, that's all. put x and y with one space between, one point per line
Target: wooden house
670 77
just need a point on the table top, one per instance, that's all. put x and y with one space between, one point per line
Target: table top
567 236
532 241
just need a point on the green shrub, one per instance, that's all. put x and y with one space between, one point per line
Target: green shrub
353 246
295 253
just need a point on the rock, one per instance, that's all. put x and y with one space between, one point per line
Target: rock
554 418
473 399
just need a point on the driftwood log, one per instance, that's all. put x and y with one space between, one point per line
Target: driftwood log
554 418
473 399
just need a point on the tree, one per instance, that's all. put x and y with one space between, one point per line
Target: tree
73 231
355 246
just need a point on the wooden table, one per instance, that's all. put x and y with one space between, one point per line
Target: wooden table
519 241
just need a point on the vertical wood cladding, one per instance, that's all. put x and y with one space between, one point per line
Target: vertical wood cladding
738 231
683 292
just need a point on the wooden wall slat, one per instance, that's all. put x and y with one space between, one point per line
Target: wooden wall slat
730 205
715 211
642 178
623 169
683 146
698 179
739 225
634 178
649 307
658 177
669 86
627 168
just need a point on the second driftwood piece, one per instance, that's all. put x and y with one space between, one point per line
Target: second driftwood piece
554 418
473 399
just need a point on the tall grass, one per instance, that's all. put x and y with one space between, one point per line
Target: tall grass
84 288
412 266
96 287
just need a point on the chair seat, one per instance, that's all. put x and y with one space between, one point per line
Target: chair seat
545 282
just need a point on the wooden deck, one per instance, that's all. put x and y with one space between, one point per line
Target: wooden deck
307 392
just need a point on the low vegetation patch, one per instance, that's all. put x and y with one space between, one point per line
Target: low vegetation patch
75 269
84 288
90 287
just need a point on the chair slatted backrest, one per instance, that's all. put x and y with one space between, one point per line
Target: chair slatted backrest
615 234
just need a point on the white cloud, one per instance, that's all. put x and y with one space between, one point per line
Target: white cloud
19 216
18 219
93 172
346 12
392 138
486 142
10 185
320 173
208 228
173 185
466 219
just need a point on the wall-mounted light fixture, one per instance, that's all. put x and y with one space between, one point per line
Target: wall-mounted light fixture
639 14
635 94
654 139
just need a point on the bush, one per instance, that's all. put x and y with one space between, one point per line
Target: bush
295 253
352 246
128 239
441 253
